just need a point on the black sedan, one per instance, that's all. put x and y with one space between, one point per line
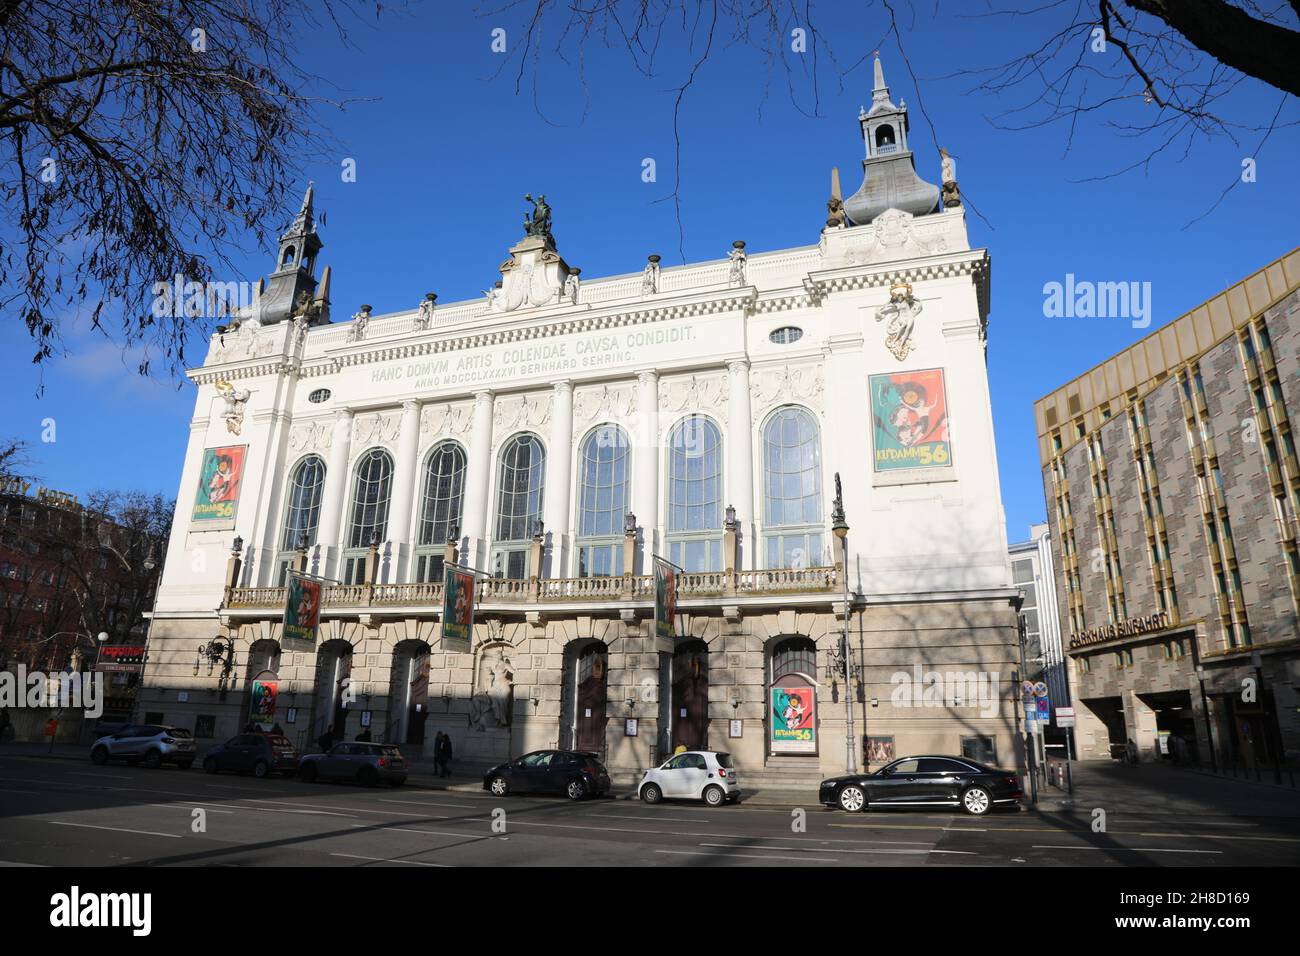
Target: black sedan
258 754
575 773
930 781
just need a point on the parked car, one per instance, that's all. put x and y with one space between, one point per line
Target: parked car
694 775
575 773
365 763
151 744
258 754
928 781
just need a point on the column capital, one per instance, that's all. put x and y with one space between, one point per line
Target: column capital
484 395
563 385
343 414
647 376
411 405
738 365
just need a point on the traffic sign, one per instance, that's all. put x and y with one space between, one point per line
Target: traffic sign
1065 716
1040 689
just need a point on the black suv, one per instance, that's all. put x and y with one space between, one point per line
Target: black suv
929 781
258 754
575 773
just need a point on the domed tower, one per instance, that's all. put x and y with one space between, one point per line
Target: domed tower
889 179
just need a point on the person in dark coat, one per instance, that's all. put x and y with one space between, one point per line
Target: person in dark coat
364 736
443 751
326 740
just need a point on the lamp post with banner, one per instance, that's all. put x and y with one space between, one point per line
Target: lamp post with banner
840 528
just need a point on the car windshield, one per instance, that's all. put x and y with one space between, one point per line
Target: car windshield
179 732
389 751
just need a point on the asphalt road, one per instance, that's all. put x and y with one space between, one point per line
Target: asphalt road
63 812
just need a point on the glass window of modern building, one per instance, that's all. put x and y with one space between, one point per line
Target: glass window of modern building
792 489
519 504
602 502
695 495
371 496
440 511
302 516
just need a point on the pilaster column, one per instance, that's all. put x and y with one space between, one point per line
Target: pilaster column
478 474
404 480
336 486
559 469
740 461
645 453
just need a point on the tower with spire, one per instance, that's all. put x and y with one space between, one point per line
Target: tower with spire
889 179
282 295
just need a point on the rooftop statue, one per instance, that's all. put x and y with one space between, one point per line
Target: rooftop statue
538 223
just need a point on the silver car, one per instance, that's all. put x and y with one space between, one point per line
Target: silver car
152 744
364 763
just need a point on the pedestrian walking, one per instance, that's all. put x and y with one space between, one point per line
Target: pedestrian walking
326 740
444 755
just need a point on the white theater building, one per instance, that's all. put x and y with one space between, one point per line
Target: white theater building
558 433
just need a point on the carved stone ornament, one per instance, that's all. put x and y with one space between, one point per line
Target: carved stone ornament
235 399
315 436
514 412
800 385
706 394
901 312
604 403
446 420
490 707
379 428
897 235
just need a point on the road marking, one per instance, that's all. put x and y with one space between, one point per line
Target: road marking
88 826
1130 849
1109 832
380 859
345 810
750 856
459 836
16 863
114 776
436 806
177 806
574 826
748 846
11 790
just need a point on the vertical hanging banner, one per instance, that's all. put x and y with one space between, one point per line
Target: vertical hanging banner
665 598
301 611
220 480
261 710
909 411
457 609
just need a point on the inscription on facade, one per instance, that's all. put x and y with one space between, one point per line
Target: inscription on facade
1130 628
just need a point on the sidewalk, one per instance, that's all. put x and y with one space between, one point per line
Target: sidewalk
1161 789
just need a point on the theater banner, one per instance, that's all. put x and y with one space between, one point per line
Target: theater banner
261 711
665 598
302 609
457 609
909 414
220 481
794 720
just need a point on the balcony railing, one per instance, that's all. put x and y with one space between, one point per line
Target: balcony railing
627 587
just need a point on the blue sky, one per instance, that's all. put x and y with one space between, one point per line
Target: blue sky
445 150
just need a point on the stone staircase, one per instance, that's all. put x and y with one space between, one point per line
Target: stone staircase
784 773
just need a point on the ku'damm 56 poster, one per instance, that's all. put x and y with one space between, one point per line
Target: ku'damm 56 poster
220 480
909 415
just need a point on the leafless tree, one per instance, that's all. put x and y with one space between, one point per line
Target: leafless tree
138 140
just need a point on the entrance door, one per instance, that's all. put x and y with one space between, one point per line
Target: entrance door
691 696
589 720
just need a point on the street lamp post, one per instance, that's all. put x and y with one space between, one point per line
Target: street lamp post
840 527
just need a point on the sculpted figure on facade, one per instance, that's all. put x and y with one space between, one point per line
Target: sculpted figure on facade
571 286
650 276
360 321
424 314
490 707
235 399
951 194
538 222
737 261
900 312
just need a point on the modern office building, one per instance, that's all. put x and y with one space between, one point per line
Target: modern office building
1033 571
557 434
1173 489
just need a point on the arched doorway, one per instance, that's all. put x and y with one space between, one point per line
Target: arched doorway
586 681
792 697
261 686
690 714
408 694
333 668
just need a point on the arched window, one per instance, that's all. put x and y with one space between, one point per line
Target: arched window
520 476
289 253
884 139
793 522
602 502
792 681
371 495
302 515
440 513
695 494
794 655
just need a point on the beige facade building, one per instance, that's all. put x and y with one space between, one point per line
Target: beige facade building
1173 489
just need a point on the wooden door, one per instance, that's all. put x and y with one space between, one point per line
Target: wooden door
691 698
590 700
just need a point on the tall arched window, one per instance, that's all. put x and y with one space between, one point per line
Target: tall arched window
520 476
792 696
602 502
302 515
793 522
371 495
440 512
695 494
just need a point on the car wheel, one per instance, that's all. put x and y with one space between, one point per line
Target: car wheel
209 764
99 756
714 796
367 776
499 787
651 793
577 789
185 764
852 799
976 801
397 781
307 773
153 759
260 768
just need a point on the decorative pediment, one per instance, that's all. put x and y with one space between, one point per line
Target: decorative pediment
786 384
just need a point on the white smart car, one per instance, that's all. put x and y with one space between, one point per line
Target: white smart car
693 775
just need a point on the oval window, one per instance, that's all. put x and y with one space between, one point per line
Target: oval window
318 396
786 334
